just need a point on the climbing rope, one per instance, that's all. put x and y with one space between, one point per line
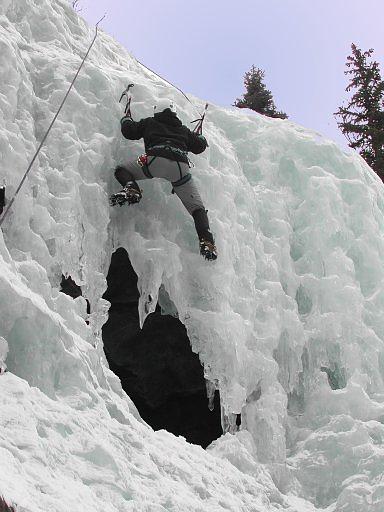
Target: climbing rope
199 126
50 126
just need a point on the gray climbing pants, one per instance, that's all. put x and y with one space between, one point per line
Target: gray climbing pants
169 170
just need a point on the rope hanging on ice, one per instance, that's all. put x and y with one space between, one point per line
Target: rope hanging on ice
198 128
168 82
50 126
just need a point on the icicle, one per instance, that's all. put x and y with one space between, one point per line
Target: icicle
3 355
229 422
211 388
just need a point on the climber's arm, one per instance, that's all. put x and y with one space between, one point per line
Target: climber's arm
133 130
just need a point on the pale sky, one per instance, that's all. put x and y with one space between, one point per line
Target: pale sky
206 46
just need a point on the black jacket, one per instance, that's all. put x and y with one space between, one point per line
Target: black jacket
164 129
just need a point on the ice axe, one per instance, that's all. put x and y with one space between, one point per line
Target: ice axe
125 94
199 126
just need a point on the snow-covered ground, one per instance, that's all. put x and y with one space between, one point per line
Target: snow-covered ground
288 322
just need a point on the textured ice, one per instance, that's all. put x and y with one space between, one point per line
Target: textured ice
3 355
288 322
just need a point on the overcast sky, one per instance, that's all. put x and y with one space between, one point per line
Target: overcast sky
206 46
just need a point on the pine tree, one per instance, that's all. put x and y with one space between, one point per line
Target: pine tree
257 97
4 507
362 120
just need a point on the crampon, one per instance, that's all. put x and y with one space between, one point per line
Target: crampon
129 194
208 250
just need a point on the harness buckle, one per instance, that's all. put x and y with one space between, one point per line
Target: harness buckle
142 160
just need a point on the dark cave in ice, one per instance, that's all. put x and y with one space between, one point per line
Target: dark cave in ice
156 365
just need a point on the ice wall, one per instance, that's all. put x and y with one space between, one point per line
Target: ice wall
288 322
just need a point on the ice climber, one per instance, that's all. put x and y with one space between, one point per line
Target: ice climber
167 143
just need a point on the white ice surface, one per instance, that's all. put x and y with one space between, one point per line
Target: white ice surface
288 322
3 355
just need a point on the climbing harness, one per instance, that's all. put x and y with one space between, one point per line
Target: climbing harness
142 160
144 164
176 151
184 179
50 126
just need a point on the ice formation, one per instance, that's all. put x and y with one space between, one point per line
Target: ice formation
288 322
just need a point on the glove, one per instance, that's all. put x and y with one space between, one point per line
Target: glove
125 118
203 139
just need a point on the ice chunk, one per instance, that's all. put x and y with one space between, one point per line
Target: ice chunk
3 355
211 388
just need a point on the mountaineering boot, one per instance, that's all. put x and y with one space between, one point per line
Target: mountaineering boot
206 241
130 194
208 249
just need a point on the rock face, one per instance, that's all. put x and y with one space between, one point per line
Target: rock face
156 365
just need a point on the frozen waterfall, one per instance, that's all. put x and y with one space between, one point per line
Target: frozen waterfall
288 323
